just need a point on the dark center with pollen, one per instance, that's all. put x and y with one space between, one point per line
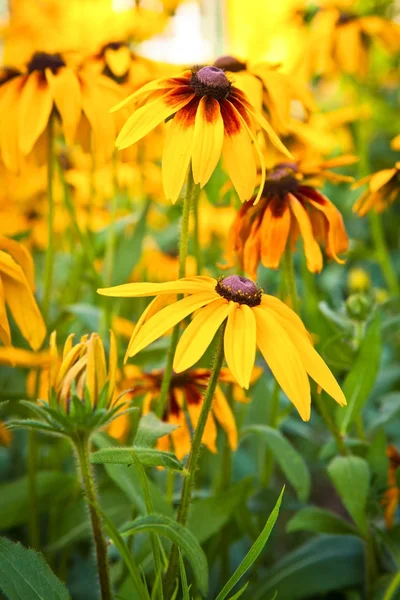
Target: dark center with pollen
210 81
41 61
345 17
281 180
239 289
230 63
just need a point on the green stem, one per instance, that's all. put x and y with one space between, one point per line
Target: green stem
393 587
290 279
49 265
81 444
331 425
382 253
183 253
370 564
188 484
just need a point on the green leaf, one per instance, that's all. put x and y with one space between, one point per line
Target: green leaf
184 583
151 428
51 486
319 520
320 566
290 461
350 476
240 592
25 575
146 456
361 379
254 551
207 516
179 535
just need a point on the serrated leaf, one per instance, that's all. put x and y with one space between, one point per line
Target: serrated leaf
319 520
25 575
151 428
290 461
149 457
254 551
361 379
179 535
350 476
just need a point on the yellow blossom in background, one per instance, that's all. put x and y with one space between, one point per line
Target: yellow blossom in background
17 287
253 319
383 190
358 280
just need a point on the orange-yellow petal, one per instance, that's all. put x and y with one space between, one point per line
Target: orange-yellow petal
311 249
208 139
186 285
240 343
66 91
34 110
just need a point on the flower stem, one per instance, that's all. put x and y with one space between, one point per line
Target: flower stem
382 253
290 279
186 495
81 444
49 266
183 253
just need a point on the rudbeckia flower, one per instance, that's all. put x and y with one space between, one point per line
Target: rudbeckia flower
383 190
390 501
253 319
16 292
186 392
209 117
268 88
28 98
290 207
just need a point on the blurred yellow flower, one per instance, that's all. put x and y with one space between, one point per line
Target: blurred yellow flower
358 280
383 190
16 292
252 319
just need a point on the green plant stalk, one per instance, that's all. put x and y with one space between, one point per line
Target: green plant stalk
50 254
370 564
382 253
81 444
188 483
183 253
393 587
289 279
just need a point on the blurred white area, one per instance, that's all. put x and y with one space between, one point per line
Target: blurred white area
184 41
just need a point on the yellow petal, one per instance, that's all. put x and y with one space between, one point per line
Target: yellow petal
112 365
177 152
22 256
311 248
34 110
166 318
5 334
199 334
381 178
147 117
66 91
118 60
224 415
186 285
284 361
273 138
240 343
208 139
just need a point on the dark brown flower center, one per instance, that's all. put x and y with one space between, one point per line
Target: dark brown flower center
345 17
113 46
210 81
239 289
230 63
41 61
281 180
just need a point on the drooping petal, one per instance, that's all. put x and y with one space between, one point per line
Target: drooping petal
240 343
178 150
208 139
34 110
275 229
237 152
199 334
22 256
147 117
9 117
5 334
166 318
66 91
186 285
284 361
273 138
224 415
209 438
311 249
381 178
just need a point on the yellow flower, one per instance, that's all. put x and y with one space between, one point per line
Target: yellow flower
28 99
383 190
16 292
252 319
358 280
82 366
211 117
186 391
290 206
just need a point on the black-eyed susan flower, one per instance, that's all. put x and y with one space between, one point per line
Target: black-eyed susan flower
17 287
28 98
390 500
290 207
184 402
383 190
208 117
253 319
